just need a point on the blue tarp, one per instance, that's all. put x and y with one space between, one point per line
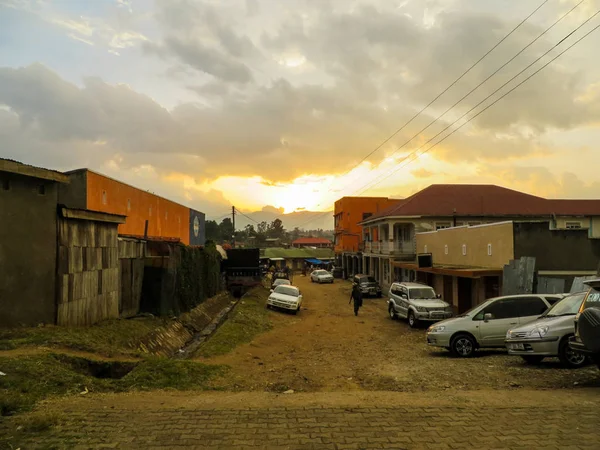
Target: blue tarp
314 261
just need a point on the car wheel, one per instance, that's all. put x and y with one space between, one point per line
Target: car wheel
462 345
532 359
412 320
568 357
392 313
379 295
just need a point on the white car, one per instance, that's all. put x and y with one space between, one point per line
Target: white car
285 297
321 276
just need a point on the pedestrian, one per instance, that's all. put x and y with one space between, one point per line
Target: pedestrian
356 295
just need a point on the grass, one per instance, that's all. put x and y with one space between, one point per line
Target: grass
249 319
107 338
30 379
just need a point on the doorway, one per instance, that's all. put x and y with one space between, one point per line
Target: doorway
465 287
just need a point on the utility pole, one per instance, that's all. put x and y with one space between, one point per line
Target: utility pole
233 221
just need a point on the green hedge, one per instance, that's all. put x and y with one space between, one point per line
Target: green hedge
198 276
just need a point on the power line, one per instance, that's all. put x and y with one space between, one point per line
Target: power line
445 90
418 133
497 100
379 180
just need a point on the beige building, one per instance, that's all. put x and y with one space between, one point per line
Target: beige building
467 262
389 237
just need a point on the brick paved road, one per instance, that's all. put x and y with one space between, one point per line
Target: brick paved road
311 427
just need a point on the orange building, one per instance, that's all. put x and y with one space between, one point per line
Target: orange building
166 219
348 212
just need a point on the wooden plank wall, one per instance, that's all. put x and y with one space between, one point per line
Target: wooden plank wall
88 272
131 259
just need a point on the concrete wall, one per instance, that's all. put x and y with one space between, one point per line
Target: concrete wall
476 239
568 250
27 250
74 194
88 272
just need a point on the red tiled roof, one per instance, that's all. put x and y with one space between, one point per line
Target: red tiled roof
311 241
484 200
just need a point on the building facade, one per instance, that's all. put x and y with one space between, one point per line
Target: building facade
28 243
470 263
148 215
389 237
348 241
312 242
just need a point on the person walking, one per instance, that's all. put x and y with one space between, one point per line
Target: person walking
356 295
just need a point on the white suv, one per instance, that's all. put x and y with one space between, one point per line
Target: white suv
486 324
416 302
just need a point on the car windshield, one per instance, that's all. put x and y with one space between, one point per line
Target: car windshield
321 272
281 281
568 306
422 293
368 280
287 290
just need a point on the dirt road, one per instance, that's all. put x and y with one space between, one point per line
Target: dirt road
326 348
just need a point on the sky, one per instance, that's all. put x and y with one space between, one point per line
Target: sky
293 104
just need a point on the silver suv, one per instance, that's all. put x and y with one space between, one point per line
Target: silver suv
416 302
486 324
549 335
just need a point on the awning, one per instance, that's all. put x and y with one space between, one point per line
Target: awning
466 272
277 259
314 261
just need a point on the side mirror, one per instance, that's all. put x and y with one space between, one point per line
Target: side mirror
488 316
438 296
272 290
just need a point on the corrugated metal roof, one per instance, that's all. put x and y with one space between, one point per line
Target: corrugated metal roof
292 253
483 200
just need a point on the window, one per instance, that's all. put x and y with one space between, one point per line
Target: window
6 185
489 249
501 309
128 204
531 306
366 215
445 249
573 225
406 234
552 299
395 289
464 249
104 198
42 189
442 225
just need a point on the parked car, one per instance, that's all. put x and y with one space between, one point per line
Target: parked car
280 282
549 335
416 302
321 276
285 297
587 324
367 285
279 276
485 325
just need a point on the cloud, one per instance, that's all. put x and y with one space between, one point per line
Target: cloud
196 35
422 173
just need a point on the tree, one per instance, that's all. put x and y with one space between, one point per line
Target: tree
276 229
262 227
212 231
295 234
226 230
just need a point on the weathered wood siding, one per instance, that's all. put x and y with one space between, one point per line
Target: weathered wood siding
131 261
88 272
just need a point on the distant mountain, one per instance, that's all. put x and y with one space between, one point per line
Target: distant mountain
305 220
